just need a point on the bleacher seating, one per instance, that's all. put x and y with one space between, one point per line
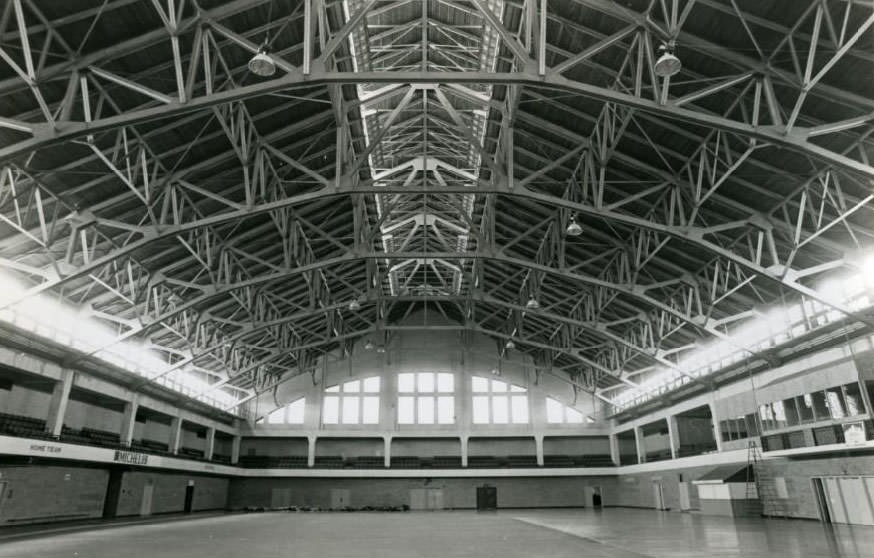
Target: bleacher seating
91 437
150 446
661 455
558 461
272 462
446 462
484 462
365 462
521 461
406 462
221 458
28 427
191 452
595 461
329 462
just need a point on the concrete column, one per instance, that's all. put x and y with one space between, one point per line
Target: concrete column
614 449
715 426
311 451
129 419
638 441
235 449
463 401
538 444
175 434
58 403
387 451
464 450
673 438
210 443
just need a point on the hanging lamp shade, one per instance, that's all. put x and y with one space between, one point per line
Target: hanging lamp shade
261 64
667 64
574 228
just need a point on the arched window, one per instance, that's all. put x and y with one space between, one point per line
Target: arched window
290 414
353 402
497 402
426 398
559 413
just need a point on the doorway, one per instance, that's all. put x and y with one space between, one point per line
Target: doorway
146 501
596 497
848 499
486 498
189 497
821 502
113 493
340 498
426 499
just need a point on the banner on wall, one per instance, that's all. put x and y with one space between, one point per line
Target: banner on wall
854 434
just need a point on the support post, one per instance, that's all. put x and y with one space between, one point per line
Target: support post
638 441
464 440
614 449
129 419
235 449
714 418
175 435
673 436
210 443
311 451
538 444
387 452
58 403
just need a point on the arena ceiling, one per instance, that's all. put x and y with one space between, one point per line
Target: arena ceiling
429 155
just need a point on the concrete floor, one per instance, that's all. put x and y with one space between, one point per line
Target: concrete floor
612 533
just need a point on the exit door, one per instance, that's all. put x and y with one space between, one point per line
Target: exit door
486 498
189 498
426 499
339 498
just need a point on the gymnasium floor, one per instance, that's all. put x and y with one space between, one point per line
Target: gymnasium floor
612 533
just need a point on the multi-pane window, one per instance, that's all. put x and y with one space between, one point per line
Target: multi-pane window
353 402
833 403
559 413
290 414
426 398
739 428
497 402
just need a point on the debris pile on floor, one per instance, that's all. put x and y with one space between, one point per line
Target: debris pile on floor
260 509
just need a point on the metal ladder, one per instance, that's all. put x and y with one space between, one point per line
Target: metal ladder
761 483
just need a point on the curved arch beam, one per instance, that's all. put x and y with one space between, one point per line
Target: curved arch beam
694 235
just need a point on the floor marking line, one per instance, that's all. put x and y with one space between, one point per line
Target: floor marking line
577 535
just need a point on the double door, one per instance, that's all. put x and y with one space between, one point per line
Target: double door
847 499
426 499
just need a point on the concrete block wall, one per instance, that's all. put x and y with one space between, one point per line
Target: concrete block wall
168 496
24 401
636 490
576 445
425 447
798 474
458 493
51 493
275 447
